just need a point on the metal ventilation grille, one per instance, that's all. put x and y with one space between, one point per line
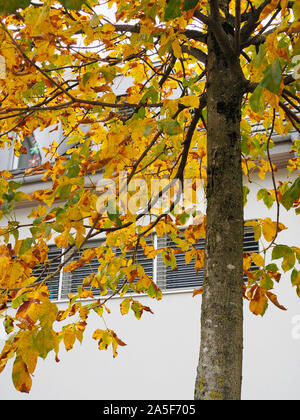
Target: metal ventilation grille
185 276
54 283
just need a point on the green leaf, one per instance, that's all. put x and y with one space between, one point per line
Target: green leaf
148 129
288 262
280 251
137 308
256 100
12 5
245 193
150 94
268 199
172 10
189 4
291 195
72 4
65 191
183 218
15 303
169 259
172 128
266 282
288 255
45 341
85 149
26 245
8 324
12 185
73 170
272 77
272 268
295 277
86 77
114 217
39 88
9 196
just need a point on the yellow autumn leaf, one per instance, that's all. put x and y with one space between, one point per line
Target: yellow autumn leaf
246 262
69 337
6 175
257 259
176 48
20 376
189 255
268 9
258 304
283 4
98 334
190 101
269 229
294 28
30 358
62 240
125 306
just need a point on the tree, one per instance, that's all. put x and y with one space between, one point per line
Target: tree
201 72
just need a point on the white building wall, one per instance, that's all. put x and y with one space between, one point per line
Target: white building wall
160 359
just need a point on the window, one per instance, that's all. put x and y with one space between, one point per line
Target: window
167 279
32 157
35 145
76 277
185 276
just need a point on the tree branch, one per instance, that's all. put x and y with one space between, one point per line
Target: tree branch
219 33
195 52
135 29
252 22
237 27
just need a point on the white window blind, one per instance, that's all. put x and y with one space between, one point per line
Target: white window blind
184 277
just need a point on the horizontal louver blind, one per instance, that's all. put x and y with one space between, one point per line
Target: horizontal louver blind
74 279
77 276
185 276
54 283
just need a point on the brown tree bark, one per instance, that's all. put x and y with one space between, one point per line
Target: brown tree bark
220 362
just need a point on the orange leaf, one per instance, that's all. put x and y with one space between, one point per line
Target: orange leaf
258 303
198 291
273 299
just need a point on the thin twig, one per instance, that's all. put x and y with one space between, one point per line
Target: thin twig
273 181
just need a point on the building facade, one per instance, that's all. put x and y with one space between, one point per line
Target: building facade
161 355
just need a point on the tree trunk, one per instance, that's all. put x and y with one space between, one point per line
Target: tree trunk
220 361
